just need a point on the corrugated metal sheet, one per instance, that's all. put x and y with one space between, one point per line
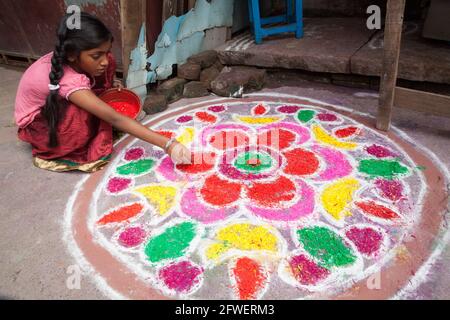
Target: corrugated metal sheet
28 27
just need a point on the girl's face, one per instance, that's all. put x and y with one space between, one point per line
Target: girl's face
93 62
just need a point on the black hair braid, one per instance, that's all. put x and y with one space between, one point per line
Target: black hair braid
70 42
52 109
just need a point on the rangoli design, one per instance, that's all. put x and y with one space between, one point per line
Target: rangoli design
282 201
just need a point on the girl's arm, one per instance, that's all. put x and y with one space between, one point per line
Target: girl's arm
88 101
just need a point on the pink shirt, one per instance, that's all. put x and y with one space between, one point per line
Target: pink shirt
33 88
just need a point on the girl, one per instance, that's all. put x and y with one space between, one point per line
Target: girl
57 109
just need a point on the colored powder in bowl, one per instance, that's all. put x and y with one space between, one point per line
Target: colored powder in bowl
127 109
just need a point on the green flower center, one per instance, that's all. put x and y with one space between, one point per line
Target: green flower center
253 162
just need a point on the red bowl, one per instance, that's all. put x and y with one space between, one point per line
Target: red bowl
123 101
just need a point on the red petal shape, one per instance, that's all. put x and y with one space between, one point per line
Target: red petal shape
206 117
346 132
259 110
228 139
249 277
377 210
220 192
168 134
276 138
301 162
200 162
122 214
272 193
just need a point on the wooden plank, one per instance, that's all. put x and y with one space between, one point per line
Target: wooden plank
422 101
191 4
169 9
392 39
132 14
181 7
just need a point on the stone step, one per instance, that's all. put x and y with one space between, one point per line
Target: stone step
342 45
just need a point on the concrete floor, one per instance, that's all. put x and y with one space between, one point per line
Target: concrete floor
34 259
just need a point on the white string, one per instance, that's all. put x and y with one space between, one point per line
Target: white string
53 87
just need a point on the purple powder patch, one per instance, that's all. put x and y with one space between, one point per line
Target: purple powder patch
288 109
367 240
132 237
217 108
134 154
181 276
379 151
307 272
184 119
390 189
116 185
326 117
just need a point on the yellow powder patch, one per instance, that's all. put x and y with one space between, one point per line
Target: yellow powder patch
402 254
337 196
242 236
214 251
187 136
161 197
322 136
258 120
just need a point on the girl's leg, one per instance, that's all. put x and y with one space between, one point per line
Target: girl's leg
83 139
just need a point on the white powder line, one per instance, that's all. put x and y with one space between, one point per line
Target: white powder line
245 45
75 251
237 43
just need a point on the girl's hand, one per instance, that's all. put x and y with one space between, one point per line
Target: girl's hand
118 84
179 153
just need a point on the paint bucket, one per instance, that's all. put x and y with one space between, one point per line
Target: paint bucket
123 101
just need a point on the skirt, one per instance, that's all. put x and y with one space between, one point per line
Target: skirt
85 142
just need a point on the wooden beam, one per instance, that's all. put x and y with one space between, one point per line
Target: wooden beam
392 39
191 4
170 8
132 15
422 101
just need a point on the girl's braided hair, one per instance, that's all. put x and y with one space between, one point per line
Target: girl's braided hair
91 35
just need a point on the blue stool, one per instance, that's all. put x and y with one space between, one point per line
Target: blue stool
293 18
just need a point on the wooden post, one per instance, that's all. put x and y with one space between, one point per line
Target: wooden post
170 8
132 15
191 4
392 39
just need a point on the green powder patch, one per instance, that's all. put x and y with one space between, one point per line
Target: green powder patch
387 169
253 162
136 167
326 246
306 115
172 243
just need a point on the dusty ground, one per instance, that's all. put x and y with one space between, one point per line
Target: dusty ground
34 258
